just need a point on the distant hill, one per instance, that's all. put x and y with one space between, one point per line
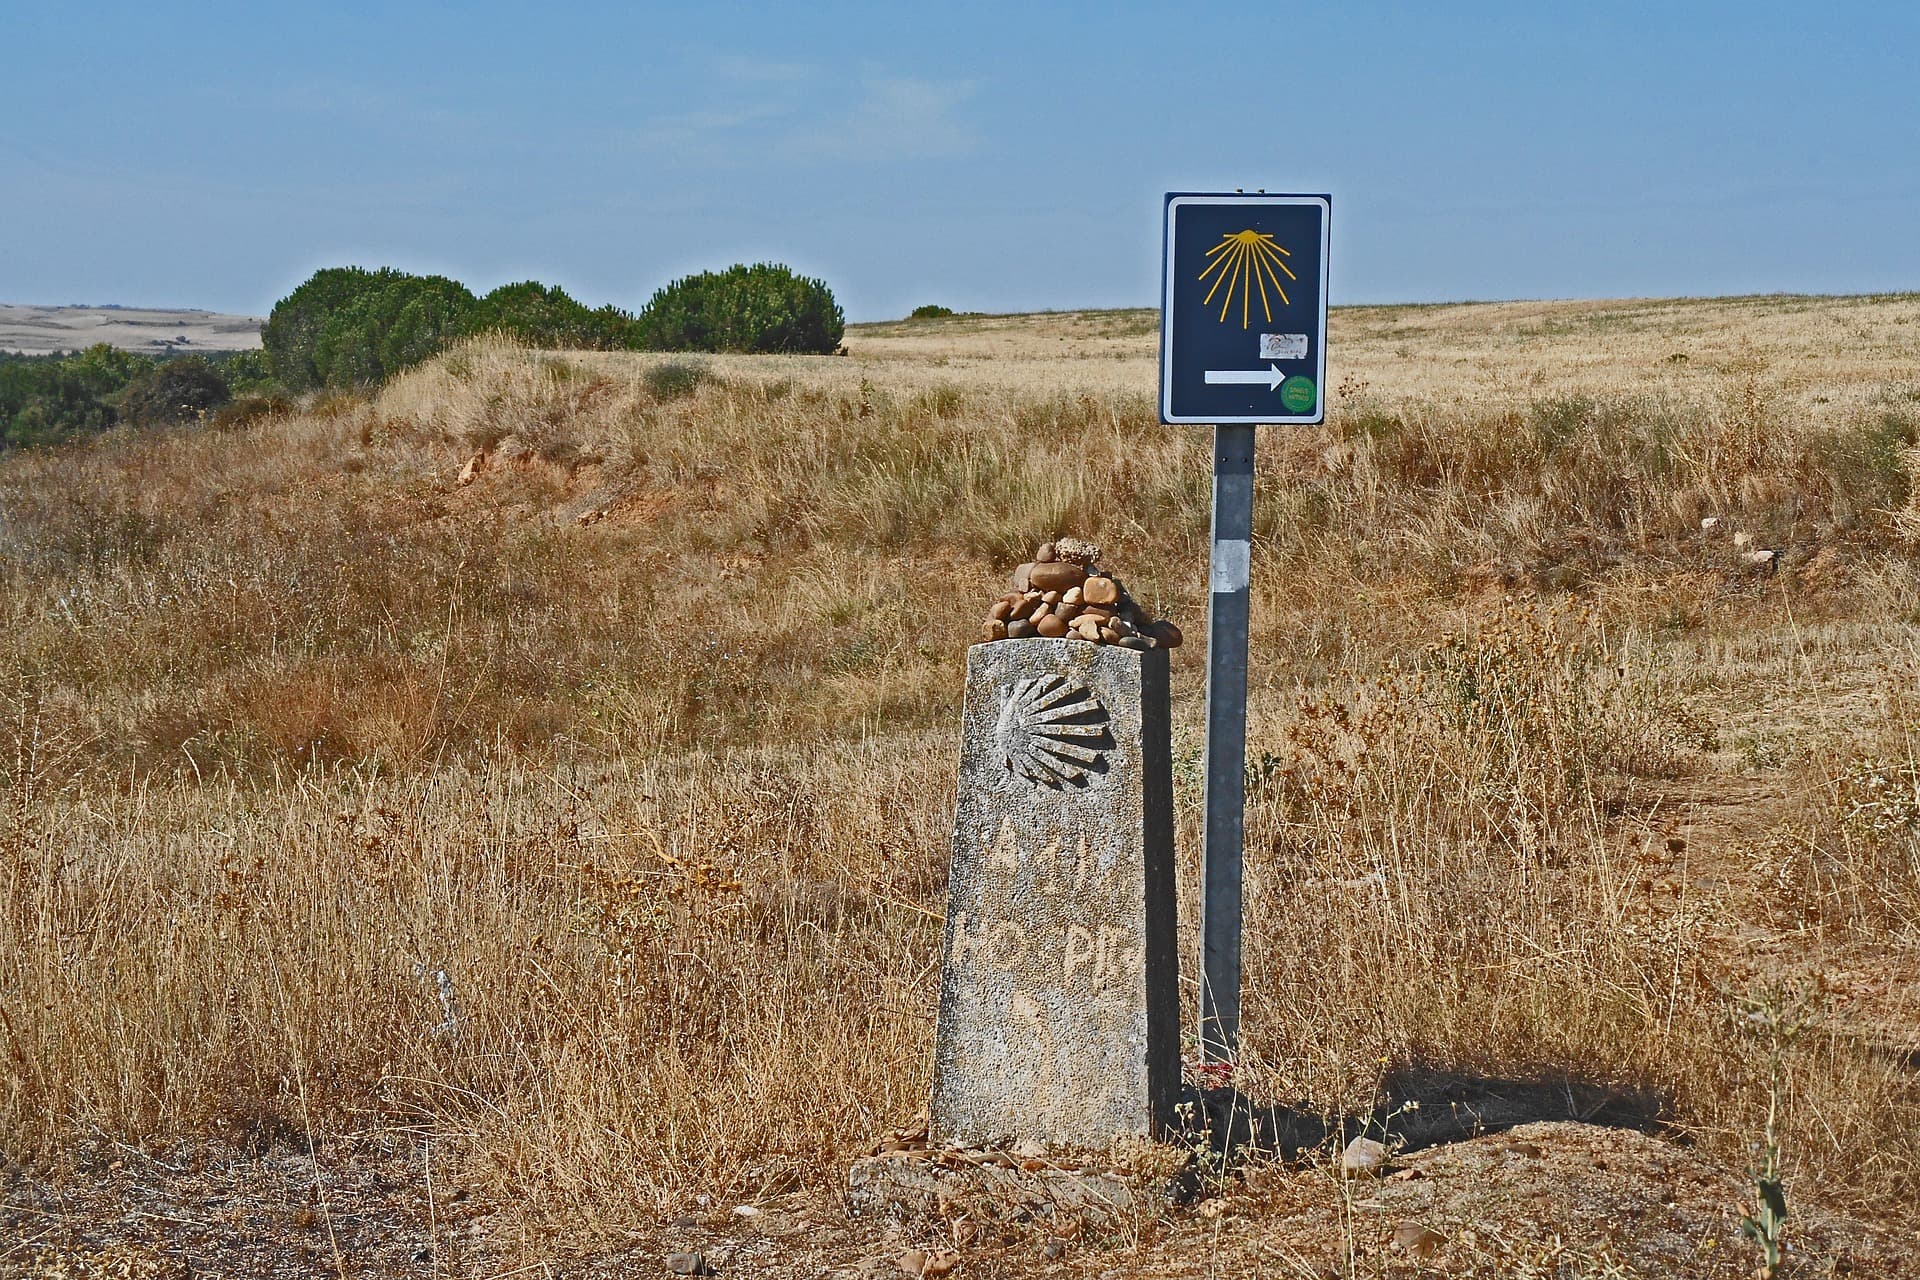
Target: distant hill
40 329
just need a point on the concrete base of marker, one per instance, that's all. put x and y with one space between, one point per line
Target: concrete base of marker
1059 1015
918 1186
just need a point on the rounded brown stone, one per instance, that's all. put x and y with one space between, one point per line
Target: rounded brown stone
1019 629
1072 595
1100 591
1051 627
1099 613
1000 611
1039 611
1029 598
996 629
1066 612
1051 597
1109 636
1166 633
1045 554
1056 576
1023 577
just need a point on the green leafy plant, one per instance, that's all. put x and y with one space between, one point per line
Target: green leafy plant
350 327
615 329
46 398
291 337
760 308
545 316
247 373
391 328
931 311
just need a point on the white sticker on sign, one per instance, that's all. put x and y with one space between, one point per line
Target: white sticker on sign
1283 346
1232 562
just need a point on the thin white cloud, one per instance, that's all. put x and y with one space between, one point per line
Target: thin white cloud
769 112
714 133
901 118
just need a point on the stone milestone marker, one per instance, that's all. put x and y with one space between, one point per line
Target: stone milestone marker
1059 1014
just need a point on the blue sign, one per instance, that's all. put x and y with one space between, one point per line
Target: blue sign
1243 309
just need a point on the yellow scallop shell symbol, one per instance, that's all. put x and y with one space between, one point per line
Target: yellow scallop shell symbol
1245 261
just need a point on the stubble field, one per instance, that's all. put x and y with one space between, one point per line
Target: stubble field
403 875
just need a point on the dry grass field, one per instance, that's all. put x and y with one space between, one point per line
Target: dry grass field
498 826
43 329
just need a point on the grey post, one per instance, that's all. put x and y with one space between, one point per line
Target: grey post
1225 822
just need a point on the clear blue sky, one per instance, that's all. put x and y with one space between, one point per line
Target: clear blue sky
985 156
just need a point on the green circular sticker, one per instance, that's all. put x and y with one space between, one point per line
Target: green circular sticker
1297 393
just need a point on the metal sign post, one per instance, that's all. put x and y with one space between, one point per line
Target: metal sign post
1243 341
1224 826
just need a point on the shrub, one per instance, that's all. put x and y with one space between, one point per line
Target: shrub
291 336
48 398
351 327
545 316
762 308
1868 456
932 311
178 391
618 330
248 373
390 328
674 380
247 409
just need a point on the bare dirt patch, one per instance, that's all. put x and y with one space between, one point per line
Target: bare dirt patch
1555 1199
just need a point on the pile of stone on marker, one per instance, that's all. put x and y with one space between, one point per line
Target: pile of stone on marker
1062 594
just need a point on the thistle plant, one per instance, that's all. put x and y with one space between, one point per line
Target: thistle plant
1777 1017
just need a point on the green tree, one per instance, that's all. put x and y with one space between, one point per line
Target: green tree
545 316
48 398
248 372
760 308
616 330
101 371
291 336
381 332
540 316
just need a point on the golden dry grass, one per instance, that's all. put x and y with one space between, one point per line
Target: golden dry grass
644 739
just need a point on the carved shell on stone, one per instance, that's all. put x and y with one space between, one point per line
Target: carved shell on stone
1052 731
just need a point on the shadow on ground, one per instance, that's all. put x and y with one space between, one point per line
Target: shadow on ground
1421 1106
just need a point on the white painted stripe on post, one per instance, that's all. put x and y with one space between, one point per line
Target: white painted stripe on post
1232 565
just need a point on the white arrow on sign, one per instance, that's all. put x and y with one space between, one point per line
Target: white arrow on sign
1270 375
